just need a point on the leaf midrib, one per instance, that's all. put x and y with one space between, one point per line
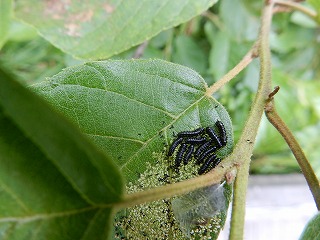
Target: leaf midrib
163 129
47 216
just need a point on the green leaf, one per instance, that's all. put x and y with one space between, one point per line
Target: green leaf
294 37
303 20
312 230
189 53
219 55
134 108
242 26
54 183
97 29
5 19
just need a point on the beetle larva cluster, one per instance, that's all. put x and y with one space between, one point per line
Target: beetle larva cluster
202 144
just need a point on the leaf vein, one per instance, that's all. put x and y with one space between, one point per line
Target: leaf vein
116 137
163 129
44 216
15 197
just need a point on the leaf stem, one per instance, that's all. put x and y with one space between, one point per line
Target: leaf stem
174 189
303 162
296 6
245 61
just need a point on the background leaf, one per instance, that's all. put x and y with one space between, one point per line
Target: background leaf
188 53
98 30
5 18
52 179
312 230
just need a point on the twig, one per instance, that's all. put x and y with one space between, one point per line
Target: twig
303 162
245 61
174 189
274 92
296 6
214 19
139 52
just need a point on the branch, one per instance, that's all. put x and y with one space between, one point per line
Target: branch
251 127
174 189
245 61
296 6
139 52
303 162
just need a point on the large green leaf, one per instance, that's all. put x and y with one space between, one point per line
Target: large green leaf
312 229
133 109
99 29
54 183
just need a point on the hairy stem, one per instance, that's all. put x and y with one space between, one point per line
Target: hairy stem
241 182
297 6
252 124
174 189
246 60
303 162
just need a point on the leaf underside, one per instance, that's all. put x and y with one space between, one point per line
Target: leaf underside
135 108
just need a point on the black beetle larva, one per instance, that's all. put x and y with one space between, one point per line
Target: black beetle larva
191 133
174 145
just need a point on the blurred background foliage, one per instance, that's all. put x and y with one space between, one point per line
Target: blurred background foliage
212 44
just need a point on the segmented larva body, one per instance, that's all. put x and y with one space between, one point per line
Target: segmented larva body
191 133
223 133
213 136
205 154
196 140
180 154
188 155
203 148
212 159
174 145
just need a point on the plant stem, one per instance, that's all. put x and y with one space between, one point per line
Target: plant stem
309 12
139 52
174 189
214 19
303 162
252 124
238 211
245 61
